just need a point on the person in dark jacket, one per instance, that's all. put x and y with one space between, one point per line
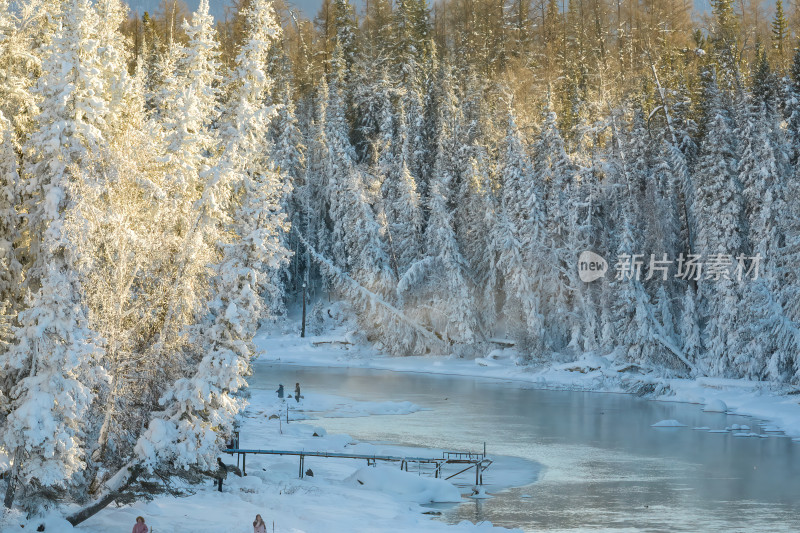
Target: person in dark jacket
222 473
280 391
297 392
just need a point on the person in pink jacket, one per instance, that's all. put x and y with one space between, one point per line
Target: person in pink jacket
258 525
140 526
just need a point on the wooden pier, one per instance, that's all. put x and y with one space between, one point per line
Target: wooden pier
478 461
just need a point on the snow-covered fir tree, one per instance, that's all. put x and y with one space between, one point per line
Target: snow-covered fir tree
54 361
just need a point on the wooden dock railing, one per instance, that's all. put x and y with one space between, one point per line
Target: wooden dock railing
479 461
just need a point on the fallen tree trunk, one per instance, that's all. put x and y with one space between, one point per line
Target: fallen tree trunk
116 486
375 299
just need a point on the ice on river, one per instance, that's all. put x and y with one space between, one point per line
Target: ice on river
407 486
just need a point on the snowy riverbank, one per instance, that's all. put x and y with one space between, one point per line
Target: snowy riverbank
343 495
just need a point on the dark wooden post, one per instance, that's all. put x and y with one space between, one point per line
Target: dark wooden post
303 331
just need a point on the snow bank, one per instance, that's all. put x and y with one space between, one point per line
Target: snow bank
737 427
715 406
479 493
406 485
668 424
52 521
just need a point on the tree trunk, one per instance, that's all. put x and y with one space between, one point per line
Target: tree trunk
97 506
11 489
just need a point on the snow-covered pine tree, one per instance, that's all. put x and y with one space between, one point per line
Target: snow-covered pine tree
163 83
664 313
638 156
373 97
18 67
337 125
691 342
583 228
54 362
431 98
345 27
477 217
358 235
149 59
449 280
521 235
554 168
668 229
410 52
401 201
189 98
342 156
287 139
764 84
112 47
10 220
315 195
263 193
239 212
683 122
55 369
631 322
442 269
199 64
289 158
718 210
791 107
770 337
405 46
724 36
10 275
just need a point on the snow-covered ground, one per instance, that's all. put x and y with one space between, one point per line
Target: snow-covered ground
343 495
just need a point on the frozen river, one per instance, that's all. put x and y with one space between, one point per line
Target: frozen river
603 467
